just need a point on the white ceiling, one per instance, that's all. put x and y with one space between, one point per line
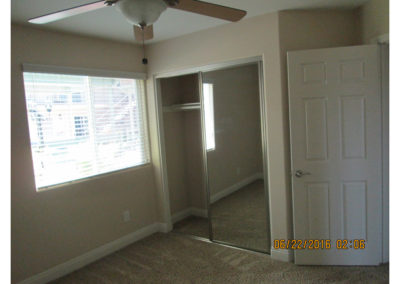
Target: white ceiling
110 24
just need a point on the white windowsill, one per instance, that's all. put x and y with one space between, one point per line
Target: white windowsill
85 179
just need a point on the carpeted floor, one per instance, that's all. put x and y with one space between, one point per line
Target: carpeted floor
238 219
178 259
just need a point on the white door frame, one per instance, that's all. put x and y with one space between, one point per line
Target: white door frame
384 50
384 41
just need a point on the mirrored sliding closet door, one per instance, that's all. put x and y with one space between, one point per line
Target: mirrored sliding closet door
238 199
215 164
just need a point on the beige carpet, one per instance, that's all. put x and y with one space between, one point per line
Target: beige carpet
173 258
239 219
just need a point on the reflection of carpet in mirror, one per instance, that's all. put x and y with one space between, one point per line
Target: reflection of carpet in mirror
240 218
193 225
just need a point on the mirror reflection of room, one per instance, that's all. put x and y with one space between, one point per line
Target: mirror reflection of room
235 158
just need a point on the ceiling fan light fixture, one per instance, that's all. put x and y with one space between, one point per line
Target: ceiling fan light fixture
141 12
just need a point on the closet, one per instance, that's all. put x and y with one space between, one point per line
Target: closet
184 154
214 153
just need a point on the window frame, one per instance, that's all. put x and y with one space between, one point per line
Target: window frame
49 69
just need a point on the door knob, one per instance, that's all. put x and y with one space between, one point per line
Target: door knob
300 173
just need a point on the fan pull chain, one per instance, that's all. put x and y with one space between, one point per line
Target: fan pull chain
144 60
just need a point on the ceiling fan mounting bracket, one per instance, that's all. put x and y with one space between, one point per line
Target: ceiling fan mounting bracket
171 3
110 3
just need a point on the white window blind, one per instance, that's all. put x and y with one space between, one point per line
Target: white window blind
208 93
82 126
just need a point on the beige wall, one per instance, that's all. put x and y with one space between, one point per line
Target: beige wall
51 227
183 144
174 125
373 19
237 127
184 160
194 160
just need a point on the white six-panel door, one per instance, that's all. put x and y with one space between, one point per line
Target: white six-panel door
335 128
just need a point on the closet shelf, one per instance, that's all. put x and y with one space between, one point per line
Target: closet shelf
181 107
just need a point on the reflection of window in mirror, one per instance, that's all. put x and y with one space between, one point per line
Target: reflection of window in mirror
209 115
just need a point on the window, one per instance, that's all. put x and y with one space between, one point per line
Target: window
209 116
82 126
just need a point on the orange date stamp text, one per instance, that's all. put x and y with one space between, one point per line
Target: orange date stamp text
319 244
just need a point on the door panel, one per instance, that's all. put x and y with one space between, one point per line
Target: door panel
316 132
335 128
354 209
318 210
352 123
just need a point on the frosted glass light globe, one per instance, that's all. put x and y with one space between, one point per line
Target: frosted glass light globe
139 12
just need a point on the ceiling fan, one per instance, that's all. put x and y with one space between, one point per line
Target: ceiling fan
143 13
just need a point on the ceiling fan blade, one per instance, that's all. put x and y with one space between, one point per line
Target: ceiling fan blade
211 10
148 33
67 13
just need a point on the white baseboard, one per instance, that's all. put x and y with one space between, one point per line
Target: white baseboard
282 254
165 227
199 212
192 211
93 255
383 38
227 191
180 215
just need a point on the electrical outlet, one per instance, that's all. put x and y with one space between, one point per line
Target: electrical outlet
237 171
126 216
